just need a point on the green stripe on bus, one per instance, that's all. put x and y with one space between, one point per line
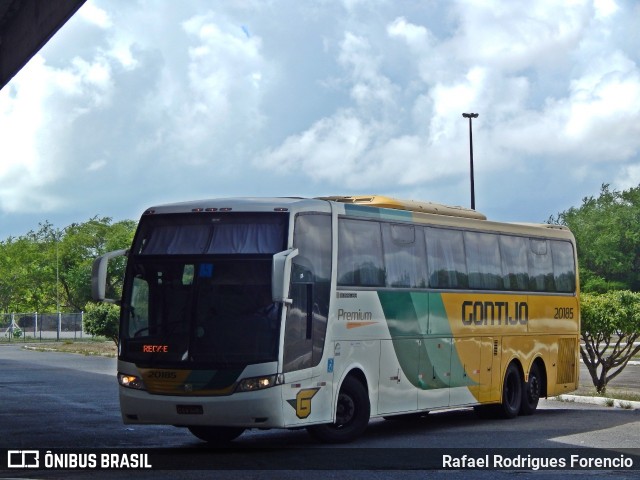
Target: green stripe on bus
423 363
377 213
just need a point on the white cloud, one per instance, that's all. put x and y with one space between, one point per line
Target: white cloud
369 87
22 121
606 98
628 177
329 150
216 101
513 36
95 15
596 123
224 66
450 101
416 36
96 74
605 8
37 111
97 165
121 50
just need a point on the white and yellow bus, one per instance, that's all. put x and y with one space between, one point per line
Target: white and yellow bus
324 313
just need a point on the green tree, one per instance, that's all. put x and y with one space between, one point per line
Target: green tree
9 276
102 319
607 231
51 267
80 245
27 273
610 327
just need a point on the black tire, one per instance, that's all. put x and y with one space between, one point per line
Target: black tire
531 390
511 392
352 415
217 435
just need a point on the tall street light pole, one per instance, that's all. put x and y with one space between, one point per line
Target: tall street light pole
57 237
59 315
473 190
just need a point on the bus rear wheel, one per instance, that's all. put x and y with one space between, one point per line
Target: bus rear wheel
531 391
511 392
216 435
352 415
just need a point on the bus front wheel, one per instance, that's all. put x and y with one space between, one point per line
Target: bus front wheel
216 435
352 414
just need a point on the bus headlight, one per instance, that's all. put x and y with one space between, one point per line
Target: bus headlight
258 383
130 381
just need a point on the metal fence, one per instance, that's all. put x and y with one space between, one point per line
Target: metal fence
41 326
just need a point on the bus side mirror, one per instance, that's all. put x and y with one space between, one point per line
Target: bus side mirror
99 275
281 274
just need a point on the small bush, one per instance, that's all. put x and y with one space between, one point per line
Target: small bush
102 319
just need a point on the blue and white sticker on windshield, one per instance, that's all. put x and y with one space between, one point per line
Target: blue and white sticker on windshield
206 270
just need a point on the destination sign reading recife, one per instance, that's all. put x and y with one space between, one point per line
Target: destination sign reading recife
155 348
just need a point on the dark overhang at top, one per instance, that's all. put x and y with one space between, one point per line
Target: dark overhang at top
25 26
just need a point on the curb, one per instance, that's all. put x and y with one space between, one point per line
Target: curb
603 401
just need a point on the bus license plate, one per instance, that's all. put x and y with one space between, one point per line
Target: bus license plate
190 409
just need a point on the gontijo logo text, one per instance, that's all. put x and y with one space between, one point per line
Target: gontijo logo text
494 313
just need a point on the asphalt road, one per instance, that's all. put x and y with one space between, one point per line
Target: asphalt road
54 400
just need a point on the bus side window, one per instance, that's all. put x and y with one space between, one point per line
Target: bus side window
446 258
564 269
306 321
514 262
483 261
404 256
540 266
360 261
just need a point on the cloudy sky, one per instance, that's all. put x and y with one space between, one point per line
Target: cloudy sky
135 103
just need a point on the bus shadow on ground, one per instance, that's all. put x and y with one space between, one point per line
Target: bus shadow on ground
420 443
461 428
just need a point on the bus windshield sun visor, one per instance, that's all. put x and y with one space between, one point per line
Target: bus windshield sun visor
219 235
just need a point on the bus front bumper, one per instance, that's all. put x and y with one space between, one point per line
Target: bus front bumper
256 409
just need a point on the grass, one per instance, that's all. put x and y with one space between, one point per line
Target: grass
588 390
620 395
99 347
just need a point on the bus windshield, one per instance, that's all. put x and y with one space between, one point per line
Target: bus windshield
199 293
